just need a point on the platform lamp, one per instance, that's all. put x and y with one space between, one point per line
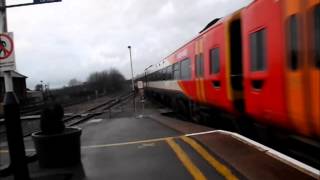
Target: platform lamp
132 81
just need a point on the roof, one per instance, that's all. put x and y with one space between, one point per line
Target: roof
14 74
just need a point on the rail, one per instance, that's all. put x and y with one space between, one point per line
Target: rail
30 126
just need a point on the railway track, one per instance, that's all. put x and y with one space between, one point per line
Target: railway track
95 111
30 126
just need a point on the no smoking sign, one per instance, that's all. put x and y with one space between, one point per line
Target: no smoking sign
7 59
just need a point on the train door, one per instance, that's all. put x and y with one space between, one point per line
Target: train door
312 45
235 62
302 21
297 81
264 62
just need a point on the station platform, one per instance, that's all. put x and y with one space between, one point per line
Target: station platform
148 145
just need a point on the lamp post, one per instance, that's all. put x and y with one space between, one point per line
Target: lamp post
132 81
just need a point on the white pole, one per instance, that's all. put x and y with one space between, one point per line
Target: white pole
132 81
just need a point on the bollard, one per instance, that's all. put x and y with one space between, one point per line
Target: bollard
15 137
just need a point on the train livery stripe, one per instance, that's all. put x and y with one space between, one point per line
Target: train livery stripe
203 99
186 161
200 91
227 60
222 169
198 97
183 89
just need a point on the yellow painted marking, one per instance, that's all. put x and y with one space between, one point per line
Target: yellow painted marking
222 169
186 161
183 157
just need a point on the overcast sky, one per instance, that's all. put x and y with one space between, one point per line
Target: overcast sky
59 41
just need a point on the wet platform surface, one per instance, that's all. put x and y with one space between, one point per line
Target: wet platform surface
159 147
140 148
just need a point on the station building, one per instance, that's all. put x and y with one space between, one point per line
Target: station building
19 84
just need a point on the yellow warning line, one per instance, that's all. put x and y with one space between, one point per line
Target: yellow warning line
222 169
186 161
183 157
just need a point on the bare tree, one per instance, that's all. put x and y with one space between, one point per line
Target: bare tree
106 81
38 87
74 82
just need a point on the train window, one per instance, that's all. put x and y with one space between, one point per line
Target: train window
160 75
156 76
163 74
169 72
258 50
199 65
176 71
317 36
151 77
214 61
185 69
146 77
293 43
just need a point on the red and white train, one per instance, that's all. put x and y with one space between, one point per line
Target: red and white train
262 61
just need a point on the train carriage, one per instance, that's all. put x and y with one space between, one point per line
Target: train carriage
264 62
261 62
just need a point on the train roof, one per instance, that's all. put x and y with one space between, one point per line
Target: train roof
211 25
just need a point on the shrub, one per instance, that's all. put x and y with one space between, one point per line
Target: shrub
51 119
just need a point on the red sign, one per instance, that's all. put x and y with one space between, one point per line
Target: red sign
6 46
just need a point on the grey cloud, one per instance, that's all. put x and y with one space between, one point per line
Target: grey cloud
60 41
